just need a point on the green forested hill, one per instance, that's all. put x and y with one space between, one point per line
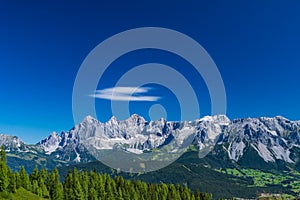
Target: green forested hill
84 185
220 176
215 174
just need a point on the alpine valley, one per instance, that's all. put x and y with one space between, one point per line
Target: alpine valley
246 157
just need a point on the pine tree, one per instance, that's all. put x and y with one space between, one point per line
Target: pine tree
2 155
120 193
68 187
92 186
43 174
133 194
55 186
173 193
24 179
42 179
185 193
18 180
12 187
34 175
43 187
84 181
35 187
114 190
77 189
202 195
4 181
142 188
93 194
101 186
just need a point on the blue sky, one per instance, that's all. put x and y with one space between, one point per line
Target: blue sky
255 44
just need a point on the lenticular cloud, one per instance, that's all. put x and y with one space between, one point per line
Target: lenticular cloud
125 94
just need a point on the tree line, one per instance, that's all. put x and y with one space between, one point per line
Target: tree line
83 185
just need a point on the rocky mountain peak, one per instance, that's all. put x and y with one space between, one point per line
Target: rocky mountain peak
89 119
10 141
136 119
221 119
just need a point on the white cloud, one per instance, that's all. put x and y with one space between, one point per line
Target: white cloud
125 94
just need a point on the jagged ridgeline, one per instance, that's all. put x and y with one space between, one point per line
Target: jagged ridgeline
84 185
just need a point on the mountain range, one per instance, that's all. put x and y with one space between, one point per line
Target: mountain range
271 138
263 143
